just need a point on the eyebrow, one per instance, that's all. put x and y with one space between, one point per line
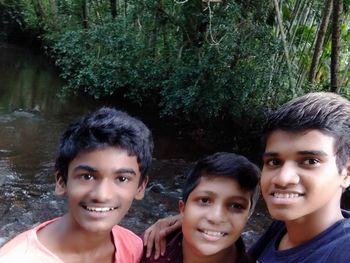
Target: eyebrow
84 167
314 153
92 169
243 198
270 154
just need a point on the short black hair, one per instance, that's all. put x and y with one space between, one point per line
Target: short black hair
324 111
106 127
228 165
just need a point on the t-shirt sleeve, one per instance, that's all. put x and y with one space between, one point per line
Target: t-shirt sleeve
25 248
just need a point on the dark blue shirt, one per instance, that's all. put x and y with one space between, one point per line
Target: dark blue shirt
331 245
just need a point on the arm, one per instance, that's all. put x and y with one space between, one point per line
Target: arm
155 235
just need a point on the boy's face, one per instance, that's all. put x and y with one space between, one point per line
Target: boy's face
100 188
300 178
214 216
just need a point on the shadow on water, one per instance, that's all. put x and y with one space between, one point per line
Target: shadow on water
32 118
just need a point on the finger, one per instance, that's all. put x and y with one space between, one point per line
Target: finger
157 240
162 245
146 236
149 243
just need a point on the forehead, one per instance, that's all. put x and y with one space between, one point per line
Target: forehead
109 158
221 186
280 141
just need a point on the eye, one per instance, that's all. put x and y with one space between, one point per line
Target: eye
122 179
310 161
272 162
204 201
237 206
87 177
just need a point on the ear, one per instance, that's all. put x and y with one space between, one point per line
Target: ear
346 175
60 187
182 206
140 193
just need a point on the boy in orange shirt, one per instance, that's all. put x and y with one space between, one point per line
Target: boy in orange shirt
101 167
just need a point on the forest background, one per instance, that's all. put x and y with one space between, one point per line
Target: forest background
210 69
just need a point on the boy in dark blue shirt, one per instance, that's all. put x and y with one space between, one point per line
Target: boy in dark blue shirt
306 169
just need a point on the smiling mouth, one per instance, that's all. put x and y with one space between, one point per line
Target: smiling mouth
213 233
98 209
286 195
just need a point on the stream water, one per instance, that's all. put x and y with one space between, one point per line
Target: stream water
32 118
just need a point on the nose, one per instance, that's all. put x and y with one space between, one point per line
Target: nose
217 214
286 175
103 191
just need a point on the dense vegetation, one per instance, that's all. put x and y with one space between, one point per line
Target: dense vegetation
192 59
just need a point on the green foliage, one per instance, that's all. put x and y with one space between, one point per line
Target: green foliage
193 59
10 17
217 70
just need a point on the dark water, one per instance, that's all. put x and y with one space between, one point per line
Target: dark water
32 118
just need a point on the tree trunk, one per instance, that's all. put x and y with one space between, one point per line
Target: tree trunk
335 56
195 24
113 8
54 24
38 9
156 26
320 39
84 13
285 46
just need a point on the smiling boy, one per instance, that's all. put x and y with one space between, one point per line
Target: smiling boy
306 170
218 197
101 168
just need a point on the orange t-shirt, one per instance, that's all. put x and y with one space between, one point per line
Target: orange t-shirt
26 247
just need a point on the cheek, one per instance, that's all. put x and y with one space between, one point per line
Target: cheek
190 216
187 228
264 182
239 222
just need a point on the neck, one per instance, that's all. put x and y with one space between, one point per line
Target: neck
62 237
306 228
227 255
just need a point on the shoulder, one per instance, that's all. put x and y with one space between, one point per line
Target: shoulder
18 245
128 244
173 251
333 245
124 235
26 245
339 234
243 256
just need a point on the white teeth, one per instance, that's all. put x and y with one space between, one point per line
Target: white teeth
213 233
99 209
286 195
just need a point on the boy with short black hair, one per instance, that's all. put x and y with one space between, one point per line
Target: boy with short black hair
101 167
306 170
218 197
